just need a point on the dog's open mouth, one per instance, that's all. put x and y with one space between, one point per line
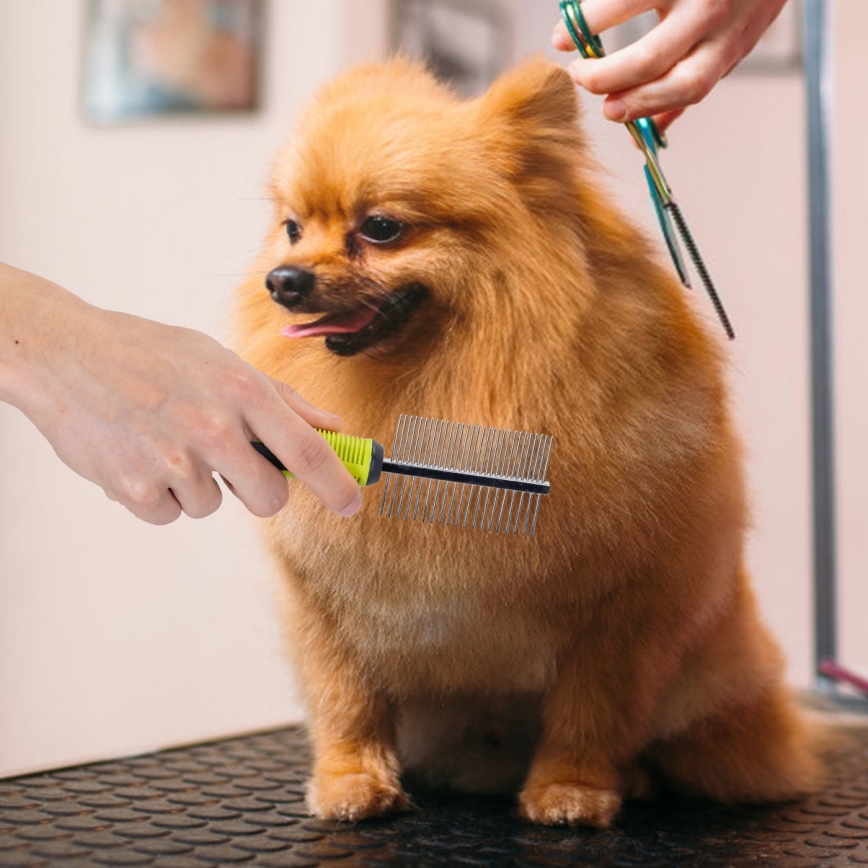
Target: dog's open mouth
351 331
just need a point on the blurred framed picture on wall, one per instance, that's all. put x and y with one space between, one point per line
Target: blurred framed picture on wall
464 42
151 58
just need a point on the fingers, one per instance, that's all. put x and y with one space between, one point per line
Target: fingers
312 415
310 458
645 78
165 512
288 434
600 15
677 63
198 497
686 83
561 38
316 457
184 488
155 505
638 63
665 119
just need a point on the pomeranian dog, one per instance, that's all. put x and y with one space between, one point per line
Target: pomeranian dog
457 260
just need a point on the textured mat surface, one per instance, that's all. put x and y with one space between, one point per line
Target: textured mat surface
240 802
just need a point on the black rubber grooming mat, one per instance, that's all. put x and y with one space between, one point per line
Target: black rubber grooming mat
240 802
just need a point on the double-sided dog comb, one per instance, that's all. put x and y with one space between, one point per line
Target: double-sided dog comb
451 473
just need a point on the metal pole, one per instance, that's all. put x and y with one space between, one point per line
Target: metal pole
818 86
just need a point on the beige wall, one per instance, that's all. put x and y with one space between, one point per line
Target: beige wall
116 636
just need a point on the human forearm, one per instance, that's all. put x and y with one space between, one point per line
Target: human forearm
36 314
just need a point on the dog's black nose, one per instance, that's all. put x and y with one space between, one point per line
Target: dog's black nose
290 285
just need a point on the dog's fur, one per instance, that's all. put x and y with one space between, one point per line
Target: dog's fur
622 645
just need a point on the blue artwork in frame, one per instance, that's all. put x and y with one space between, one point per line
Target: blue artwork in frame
147 58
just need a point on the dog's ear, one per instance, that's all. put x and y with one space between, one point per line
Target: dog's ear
528 119
535 94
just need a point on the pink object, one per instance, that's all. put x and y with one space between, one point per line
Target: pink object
833 670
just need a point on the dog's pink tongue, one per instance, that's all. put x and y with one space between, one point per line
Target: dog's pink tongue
352 322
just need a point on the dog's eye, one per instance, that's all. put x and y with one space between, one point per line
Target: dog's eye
293 230
381 230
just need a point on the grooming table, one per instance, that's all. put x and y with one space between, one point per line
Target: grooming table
240 802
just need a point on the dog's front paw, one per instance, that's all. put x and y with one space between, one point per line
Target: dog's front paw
565 804
354 797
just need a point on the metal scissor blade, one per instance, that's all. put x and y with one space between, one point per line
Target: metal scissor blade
647 137
668 233
698 263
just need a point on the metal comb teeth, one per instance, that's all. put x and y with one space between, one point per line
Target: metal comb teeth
464 475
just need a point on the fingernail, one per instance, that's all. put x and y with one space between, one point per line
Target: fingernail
354 507
614 110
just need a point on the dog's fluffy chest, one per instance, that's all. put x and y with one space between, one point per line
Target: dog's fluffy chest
448 644
422 625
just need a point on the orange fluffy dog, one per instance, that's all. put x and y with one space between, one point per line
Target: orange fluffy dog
455 259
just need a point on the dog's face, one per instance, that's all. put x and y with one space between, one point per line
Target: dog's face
396 200
345 272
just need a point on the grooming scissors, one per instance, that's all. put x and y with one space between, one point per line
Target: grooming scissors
649 139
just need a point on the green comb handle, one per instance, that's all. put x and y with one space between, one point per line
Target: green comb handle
362 456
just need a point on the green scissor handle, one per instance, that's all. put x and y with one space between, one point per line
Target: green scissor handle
589 45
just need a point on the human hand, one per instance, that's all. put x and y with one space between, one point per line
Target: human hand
676 64
149 411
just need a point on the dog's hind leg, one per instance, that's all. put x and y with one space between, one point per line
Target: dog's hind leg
754 752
